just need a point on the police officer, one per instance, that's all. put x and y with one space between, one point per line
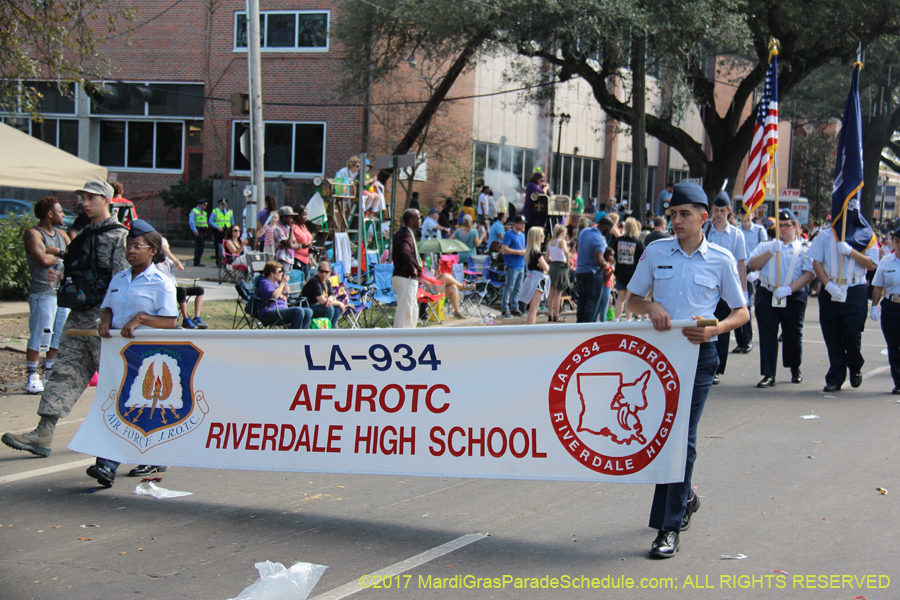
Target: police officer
79 357
222 221
843 304
140 296
197 221
726 235
784 272
887 292
688 277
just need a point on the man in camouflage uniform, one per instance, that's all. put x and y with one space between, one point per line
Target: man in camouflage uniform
79 357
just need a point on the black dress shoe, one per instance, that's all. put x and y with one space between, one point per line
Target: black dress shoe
766 382
796 377
747 348
831 388
693 506
103 474
665 545
855 380
142 470
738 350
716 379
896 391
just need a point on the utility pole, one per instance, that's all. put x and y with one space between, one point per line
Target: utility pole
638 130
257 150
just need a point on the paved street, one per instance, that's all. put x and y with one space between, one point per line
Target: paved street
797 497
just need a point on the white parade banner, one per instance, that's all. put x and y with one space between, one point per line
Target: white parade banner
584 402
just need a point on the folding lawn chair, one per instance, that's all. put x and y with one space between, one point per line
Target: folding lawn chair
383 296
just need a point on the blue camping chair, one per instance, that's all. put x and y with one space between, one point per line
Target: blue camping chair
383 296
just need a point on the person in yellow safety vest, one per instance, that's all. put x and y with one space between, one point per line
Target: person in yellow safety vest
198 224
222 219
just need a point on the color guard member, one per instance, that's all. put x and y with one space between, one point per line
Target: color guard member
688 276
842 304
719 231
887 286
785 287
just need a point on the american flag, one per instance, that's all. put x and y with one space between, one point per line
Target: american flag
765 140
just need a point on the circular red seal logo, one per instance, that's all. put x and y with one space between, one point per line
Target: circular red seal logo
613 403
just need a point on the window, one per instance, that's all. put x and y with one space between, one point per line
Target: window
143 145
296 149
623 182
280 31
51 127
148 99
676 176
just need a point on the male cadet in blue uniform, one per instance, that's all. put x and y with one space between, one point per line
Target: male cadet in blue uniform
722 233
887 286
843 304
781 299
688 276
754 235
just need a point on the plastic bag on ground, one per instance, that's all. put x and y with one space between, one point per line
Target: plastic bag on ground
278 583
151 489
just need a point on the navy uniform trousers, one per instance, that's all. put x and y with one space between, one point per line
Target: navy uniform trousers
670 499
743 335
890 327
790 318
721 313
842 326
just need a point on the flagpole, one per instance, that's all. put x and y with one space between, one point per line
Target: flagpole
773 49
844 218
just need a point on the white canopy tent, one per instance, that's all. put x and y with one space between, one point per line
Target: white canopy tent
27 162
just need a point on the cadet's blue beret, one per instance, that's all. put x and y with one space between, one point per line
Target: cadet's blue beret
785 215
688 193
897 233
722 199
140 227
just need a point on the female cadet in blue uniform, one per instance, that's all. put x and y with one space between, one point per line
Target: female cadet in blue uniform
141 296
688 276
788 283
887 286
722 233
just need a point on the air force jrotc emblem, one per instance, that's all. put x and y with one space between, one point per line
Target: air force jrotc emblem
156 402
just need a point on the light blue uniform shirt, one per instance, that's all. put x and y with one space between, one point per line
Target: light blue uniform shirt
687 286
753 237
769 276
824 250
888 275
731 239
151 293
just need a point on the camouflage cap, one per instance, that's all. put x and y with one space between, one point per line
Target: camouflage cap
101 188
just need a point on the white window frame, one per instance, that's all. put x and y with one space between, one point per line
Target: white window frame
127 169
296 14
286 174
29 119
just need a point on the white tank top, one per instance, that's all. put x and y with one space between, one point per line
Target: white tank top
556 253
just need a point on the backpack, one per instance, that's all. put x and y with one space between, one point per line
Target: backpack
85 282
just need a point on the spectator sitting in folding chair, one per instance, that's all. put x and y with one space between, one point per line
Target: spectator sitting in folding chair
317 291
272 286
235 244
452 286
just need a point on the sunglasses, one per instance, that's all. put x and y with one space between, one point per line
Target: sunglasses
324 271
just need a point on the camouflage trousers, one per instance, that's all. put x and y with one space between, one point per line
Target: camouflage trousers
77 361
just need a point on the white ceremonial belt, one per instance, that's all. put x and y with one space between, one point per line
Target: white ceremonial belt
849 280
894 298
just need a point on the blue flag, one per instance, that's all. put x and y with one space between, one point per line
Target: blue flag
848 175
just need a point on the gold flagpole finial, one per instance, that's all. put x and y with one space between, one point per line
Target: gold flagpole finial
774 46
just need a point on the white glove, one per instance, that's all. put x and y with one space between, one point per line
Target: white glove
777 247
875 313
783 292
844 248
835 290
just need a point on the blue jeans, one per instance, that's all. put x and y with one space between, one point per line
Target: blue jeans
590 289
670 499
329 312
294 317
603 304
45 314
510 299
